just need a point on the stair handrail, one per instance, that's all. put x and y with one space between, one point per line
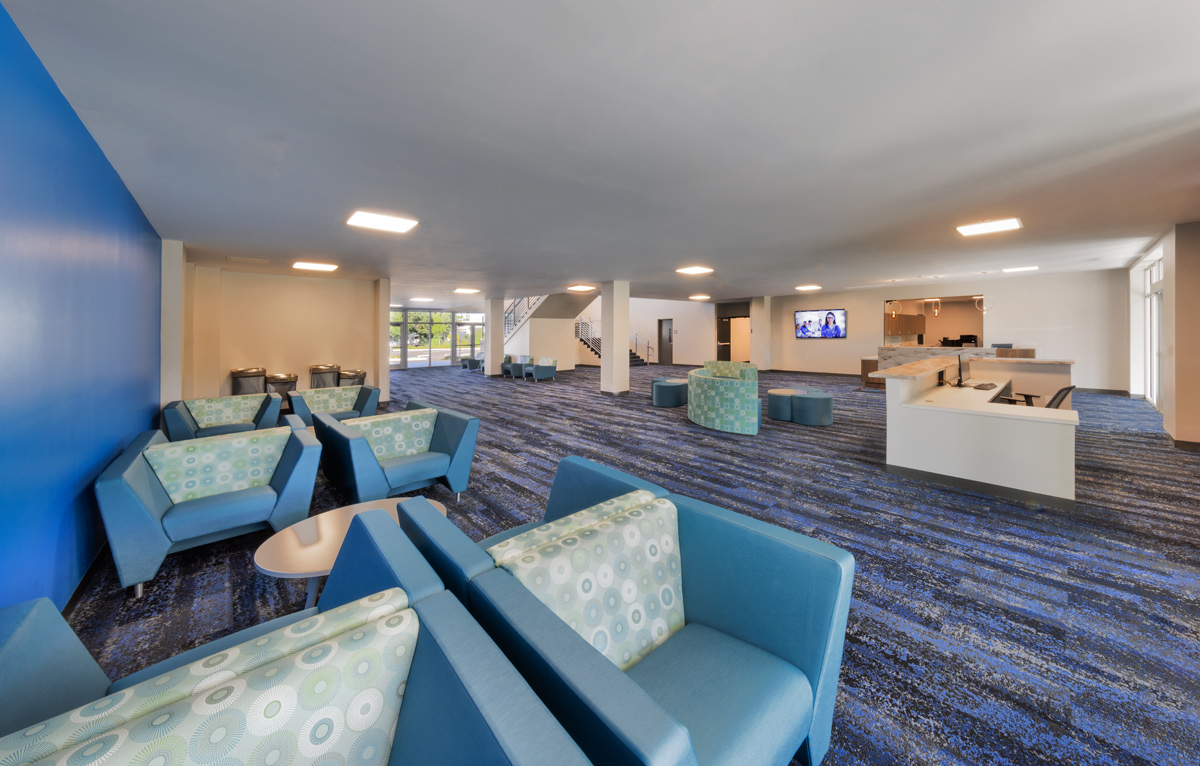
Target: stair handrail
588 331
637 343
517 310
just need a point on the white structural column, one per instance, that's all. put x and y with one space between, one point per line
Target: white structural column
170 377
614 338
383 349
493 331
760 332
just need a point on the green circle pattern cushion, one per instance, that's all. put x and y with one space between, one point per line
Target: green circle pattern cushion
614 578
398 433
340 399
325 686
213 465
224 410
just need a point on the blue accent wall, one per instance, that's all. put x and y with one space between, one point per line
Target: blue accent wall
79 328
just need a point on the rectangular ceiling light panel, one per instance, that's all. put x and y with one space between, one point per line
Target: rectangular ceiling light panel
989 227
381 222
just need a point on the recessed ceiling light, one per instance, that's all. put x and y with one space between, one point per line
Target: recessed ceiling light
806 288
580 288
421 300
465 290
699 297
314 266
381 222
930 300
694 270
1020 268
989 227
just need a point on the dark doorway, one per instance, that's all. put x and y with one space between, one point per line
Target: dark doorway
724 337
665 352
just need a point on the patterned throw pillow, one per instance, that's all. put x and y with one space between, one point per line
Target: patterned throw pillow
214 465
547 361
339 399
611 572
224 410
398 433
329 686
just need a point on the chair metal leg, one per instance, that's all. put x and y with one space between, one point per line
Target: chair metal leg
457 497
139 590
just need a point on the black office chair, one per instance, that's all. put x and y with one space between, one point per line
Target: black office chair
1055 402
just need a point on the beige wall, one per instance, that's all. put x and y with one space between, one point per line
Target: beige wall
694 323
547 337
283 323
1078 316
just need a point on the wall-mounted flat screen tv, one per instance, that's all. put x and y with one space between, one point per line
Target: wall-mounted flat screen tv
826 323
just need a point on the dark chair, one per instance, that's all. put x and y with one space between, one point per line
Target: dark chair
1055 402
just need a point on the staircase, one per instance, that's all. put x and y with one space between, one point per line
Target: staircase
554 306
588 333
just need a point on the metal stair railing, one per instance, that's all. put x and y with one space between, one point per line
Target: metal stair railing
588 331
518 310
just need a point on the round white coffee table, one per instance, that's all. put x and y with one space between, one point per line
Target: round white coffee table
308 548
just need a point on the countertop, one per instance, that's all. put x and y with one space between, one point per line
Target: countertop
976 402
1020 361
918 369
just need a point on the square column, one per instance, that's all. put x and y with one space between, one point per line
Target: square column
614 338
760 332
493 336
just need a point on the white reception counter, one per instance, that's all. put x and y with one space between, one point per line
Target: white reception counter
967 436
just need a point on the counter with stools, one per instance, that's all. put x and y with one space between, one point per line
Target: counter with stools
669 392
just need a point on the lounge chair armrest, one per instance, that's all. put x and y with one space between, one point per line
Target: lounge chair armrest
781 591
454 556
376 555
268 413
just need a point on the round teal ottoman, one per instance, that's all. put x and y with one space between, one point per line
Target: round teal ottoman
813 408
669 392
779 402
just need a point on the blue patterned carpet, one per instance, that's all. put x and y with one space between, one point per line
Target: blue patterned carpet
982 631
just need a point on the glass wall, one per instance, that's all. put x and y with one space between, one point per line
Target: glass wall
433 338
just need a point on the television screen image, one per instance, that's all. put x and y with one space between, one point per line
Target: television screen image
826 323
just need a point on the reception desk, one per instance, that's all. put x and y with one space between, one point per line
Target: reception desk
967 437
1041 377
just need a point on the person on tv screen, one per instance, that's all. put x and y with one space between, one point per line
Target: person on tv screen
830 329
802 330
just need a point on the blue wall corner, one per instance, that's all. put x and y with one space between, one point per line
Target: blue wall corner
79 328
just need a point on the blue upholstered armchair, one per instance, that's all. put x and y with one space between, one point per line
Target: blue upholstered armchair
391 454
762 608
462 700
516 369
159 497
191 418
339 403
546 367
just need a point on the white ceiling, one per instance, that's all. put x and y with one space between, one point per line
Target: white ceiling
540 144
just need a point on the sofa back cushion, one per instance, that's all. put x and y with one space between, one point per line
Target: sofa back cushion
339 399
396 434
224 410
524 359
740 370
214 465
547 361
329 684
611 572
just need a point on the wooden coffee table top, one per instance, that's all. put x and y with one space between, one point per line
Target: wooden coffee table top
308 548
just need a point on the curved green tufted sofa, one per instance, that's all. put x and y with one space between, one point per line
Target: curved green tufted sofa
724 396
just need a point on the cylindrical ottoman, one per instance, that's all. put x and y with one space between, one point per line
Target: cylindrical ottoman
813 408
671 392
779 402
